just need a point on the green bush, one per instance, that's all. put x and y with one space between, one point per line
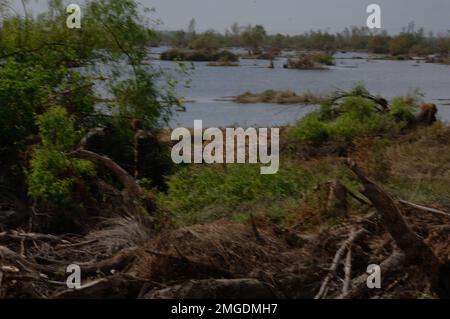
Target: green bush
311 129
52 174
323 58
355 116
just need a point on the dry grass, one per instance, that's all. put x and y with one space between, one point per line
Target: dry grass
414 166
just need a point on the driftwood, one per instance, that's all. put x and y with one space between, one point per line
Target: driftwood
416 251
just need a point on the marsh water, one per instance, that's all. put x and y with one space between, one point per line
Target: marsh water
209 87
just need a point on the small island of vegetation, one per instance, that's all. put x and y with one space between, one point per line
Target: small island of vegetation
280 97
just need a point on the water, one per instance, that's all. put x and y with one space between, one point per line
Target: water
387 78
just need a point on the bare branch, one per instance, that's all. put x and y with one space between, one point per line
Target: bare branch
129 183
337 258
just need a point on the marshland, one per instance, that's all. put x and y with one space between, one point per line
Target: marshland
87 178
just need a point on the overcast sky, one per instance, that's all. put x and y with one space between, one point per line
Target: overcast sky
292 16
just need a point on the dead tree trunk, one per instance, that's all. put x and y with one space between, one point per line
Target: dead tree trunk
415 249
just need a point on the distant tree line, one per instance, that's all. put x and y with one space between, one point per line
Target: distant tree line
411 41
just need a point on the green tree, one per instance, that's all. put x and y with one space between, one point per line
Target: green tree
209 40
379 43
49 72
253 38
400 45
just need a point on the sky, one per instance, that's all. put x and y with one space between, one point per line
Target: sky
291 16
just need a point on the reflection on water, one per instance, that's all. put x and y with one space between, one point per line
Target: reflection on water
387 78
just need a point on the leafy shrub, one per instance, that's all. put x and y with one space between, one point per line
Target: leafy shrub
53 174
323 58
311 129
402 108
355 116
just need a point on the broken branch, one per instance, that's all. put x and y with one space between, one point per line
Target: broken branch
415 249
128 182
337 257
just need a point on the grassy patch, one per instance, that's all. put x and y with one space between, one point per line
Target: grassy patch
202 194
420 166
